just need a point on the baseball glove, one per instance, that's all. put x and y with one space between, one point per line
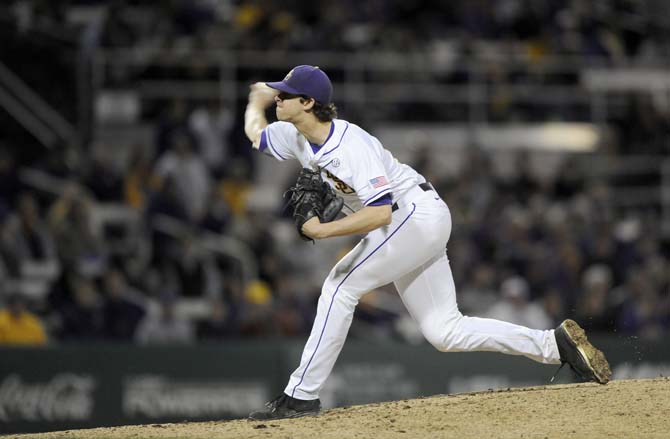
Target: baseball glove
311 196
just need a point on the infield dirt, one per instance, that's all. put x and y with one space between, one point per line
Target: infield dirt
620 409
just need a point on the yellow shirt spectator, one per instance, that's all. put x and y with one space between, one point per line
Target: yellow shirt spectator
23 328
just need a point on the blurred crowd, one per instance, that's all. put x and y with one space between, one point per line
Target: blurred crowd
615 29
121 280
535 252
526 250
449 43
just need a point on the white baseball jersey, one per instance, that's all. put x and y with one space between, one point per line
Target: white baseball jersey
409 252
352 161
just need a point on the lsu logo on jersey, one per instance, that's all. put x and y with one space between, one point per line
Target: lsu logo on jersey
339 184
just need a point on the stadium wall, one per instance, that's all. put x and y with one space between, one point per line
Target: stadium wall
69 387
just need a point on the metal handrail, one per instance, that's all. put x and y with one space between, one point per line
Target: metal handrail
26 118
43 181
235 249
221 244
621 166
37 105
388 93
386 77
376 60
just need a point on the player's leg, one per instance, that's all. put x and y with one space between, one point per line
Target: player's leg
377 260
429 294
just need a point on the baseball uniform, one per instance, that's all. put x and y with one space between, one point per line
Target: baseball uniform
409 252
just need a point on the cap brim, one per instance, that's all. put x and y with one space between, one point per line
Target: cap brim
282 86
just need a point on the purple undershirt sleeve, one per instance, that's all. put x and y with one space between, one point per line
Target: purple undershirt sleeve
264 142
386 199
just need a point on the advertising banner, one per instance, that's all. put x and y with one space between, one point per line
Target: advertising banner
68 387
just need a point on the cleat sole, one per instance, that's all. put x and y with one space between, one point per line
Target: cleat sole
593 357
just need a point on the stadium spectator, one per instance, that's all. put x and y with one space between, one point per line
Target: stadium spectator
221 323
641 312
595 308
554 306
103 178
26 238
165 326
80 246
81 318
211 125
122 308
172 122
294 310
18 326
194 268
517 308
137 180
166 201
218 216
192 181
479 293
256 311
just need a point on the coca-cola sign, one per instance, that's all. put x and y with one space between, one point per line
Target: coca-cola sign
65 397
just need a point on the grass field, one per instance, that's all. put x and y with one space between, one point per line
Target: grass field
620 409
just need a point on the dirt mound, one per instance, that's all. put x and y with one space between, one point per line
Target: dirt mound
627 408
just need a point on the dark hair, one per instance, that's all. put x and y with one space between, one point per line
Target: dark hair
325 113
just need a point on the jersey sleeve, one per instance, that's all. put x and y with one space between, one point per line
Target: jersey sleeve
369 178
279 140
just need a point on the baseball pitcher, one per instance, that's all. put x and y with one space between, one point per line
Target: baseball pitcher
406 226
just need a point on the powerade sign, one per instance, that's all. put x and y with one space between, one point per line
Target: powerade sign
157 396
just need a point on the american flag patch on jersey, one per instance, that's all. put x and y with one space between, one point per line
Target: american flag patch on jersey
379 182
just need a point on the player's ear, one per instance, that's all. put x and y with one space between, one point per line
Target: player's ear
307 103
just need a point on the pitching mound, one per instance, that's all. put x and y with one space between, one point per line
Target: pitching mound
628 408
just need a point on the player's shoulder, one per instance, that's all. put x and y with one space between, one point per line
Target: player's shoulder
350 132
357 139
283 126
349 127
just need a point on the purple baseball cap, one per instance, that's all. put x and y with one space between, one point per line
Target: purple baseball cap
306 80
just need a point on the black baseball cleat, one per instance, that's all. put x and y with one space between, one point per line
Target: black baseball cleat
579 354
285 406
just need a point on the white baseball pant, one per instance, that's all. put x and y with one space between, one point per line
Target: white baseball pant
410 252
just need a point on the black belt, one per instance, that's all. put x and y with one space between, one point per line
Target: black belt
425 186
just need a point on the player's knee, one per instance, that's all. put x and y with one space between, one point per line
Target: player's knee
435 338
434 331
443 335
338 297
